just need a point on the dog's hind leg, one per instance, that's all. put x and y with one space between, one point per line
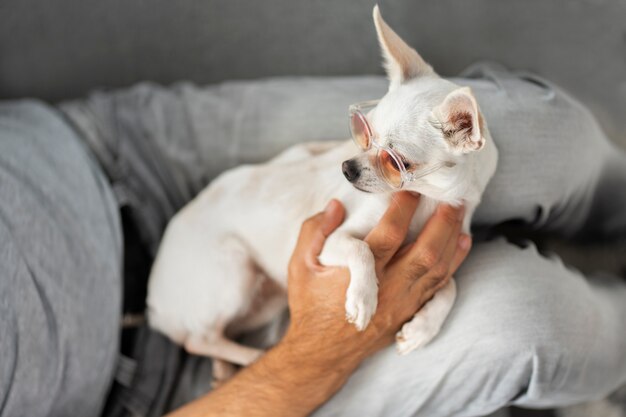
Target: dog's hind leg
222 372
268 302
427 322
232 277
222 348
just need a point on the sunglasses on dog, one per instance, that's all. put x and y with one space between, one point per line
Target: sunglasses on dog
392 167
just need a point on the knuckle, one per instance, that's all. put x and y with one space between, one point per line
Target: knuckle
416 269
432 284
389 240
439 271
309 225
382 250
384 246
428 258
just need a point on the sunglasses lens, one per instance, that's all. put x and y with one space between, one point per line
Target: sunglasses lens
360 131
390 169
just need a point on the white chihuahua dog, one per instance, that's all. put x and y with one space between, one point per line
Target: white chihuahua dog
210 280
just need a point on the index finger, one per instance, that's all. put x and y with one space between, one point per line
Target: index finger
316 229
389 234
444 224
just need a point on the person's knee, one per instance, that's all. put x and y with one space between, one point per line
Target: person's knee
530 325
525 360
523 330
546 168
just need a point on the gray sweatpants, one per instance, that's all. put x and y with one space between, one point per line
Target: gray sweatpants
525 330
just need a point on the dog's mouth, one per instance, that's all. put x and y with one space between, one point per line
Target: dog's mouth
361 189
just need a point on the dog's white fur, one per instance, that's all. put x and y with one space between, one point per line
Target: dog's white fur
219 253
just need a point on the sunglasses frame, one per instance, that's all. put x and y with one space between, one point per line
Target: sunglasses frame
405 175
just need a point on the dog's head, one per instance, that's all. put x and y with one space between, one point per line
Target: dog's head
426 120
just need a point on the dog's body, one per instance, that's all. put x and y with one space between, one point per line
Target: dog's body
210 279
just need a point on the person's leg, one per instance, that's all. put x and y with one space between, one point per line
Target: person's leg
162 146
557 169
607 216
60 269
525 330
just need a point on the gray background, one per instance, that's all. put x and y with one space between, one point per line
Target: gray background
57 49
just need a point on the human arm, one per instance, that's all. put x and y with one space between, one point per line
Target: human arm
320 349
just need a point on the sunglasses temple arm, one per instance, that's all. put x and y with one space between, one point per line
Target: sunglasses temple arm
428 171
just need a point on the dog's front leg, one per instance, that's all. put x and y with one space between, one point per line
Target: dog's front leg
427 322
341 249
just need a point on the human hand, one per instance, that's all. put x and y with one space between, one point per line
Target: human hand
408 278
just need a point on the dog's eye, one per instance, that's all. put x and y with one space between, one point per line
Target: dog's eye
407 165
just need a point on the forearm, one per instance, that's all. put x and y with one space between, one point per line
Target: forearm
285 381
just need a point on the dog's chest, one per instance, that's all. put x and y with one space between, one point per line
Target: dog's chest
364 216
424 211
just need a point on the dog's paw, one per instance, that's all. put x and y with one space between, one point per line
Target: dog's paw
416 334
361 302
426 324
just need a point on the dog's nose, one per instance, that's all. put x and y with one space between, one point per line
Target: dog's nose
350 170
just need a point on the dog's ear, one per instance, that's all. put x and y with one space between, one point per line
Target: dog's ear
460 120
401 61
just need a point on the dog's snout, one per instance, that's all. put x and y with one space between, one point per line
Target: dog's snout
350 170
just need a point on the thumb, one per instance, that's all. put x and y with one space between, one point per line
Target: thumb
316 229
333 217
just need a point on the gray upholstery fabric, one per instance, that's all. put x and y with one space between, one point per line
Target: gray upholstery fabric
65 48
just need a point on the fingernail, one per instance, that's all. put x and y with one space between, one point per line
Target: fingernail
329 206
465 242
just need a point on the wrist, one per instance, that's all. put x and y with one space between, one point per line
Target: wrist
318 358
298 362
334 346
